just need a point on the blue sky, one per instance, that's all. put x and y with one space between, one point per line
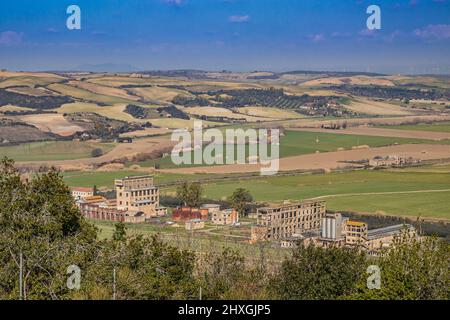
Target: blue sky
241 35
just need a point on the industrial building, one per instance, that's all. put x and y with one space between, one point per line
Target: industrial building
137 199
382 238
225 217
194 224
339 231
139 194
278 222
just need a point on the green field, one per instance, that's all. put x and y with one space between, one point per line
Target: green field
435 127
296 143
106 179
352 191
53 150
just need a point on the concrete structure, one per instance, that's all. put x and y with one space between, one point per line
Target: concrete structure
101 209
225 217
383 238
81 193
282 221
194 224
389 161
333 230
139 194
211 207
137 200
356 233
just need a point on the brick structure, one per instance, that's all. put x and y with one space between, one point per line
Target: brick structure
188 213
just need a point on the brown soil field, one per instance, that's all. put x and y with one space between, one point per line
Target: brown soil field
330 160
51 122
311 123
146 132
220 112
122 150
37 92
159 93
355 80
370 131
104 90
367 106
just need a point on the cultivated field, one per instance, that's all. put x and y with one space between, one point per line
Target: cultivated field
331 160
160 94
366 106
268 112
113 112
435 127
390 131
355 80
51 122
53 150
394 193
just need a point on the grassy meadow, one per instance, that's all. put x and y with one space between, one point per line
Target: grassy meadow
53 150
389 192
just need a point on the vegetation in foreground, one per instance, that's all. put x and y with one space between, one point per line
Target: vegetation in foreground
39 222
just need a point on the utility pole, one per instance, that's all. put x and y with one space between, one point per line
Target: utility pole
114 284
20 276
200 294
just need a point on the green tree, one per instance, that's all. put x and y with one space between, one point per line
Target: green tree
318 273
240 200
120 231
412 269
195 194
97 152
190 194
183 192
40 222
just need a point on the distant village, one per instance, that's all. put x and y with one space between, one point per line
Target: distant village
287 224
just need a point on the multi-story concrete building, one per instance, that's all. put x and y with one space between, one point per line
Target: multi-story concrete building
278 222
139 194
225 217
356 233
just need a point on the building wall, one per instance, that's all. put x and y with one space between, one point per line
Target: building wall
356 233
285 220
138 194
194 225
225 217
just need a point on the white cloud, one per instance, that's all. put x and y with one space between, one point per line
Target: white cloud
175 2
239 19
317 37
434 31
